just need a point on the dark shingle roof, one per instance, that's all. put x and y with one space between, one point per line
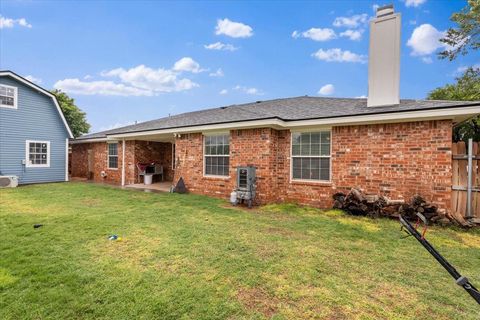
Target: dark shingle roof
288 109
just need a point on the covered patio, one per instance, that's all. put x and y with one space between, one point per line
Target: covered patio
126 161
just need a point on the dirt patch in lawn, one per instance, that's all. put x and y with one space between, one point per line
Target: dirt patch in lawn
256 299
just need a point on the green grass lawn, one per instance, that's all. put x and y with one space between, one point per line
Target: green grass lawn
193 257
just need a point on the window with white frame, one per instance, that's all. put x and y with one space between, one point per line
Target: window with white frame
217 155
38 153
311 156
8 96
113 155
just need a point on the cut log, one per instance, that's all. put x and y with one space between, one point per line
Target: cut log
358 203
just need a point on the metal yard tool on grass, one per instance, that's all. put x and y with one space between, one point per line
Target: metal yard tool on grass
459 279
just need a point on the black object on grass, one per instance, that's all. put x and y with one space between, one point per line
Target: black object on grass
462 281
36 226
180 187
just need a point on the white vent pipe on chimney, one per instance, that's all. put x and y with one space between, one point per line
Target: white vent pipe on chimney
384 58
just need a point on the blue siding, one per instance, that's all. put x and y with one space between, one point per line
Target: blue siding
36 118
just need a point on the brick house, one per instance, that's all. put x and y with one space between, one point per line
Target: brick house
304 148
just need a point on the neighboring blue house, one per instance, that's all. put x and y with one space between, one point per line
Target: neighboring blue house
34 134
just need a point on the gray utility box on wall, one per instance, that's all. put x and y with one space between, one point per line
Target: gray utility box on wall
246 184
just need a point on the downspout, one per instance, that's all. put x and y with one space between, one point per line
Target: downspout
123 162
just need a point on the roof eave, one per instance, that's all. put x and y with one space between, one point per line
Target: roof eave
454 113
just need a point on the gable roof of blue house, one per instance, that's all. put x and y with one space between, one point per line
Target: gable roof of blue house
41 90
34 134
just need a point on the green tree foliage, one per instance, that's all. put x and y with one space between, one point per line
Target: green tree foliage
74 116
467 88
466 36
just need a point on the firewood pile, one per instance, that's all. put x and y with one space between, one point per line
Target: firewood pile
358 203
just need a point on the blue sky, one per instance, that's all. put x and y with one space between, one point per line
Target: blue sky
126 61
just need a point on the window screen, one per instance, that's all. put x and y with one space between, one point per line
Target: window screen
311 155
38 153
216 153
8 96
113 155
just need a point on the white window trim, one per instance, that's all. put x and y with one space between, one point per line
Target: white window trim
108 155
27 154
227 155
15 98
322 157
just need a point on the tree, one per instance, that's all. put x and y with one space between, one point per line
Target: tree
467 88
466 36
74 116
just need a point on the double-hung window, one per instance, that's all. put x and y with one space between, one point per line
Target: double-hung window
217 155
311 156
8 96
38 153
113 155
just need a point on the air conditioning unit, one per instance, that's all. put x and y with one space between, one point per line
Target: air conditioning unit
8 181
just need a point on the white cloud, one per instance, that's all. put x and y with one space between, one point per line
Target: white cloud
220 46
187 64
248 90
352 21
223 92
87 77
10 23
33 79
155 80
327 90
352 34
105 88
425 40
414 3
233 29
375 7
462 69
218 73
316 34
338 55
137 81
361 97
427 60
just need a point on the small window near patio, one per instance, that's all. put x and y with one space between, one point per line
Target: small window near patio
311 156
113 156
8 97
217 155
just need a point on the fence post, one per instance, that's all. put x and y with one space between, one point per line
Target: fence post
469 178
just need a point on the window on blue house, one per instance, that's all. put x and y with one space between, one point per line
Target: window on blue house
8 96
38 153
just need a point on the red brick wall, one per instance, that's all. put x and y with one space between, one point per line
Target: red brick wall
135 151
397 160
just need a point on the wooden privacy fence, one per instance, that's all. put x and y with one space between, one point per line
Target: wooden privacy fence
465 186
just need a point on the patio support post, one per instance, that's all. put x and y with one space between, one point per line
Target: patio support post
123 162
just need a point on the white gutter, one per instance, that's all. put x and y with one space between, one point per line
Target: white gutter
88 140
418 115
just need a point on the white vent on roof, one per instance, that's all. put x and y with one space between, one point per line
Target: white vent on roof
384 58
